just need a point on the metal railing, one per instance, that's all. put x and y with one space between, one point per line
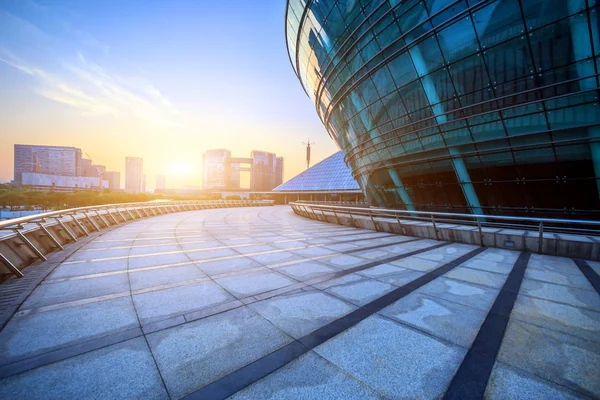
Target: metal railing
539 226
27 239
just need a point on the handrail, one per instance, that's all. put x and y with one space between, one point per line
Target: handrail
53 214
454 215
31 238
583 229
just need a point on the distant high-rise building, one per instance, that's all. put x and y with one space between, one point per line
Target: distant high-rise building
134 167
144 183
55 160
213 163
264 165
279 172
161 182
221 171
113 178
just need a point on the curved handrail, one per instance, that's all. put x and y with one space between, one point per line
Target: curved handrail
53 214
452 215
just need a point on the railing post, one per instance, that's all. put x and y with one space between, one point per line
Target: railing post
130 213
121 215
11 266
30 245
541 239
66 229
352 221
480 231
435 231
92 222
336 217
373 221
85 231
51 236
101 217
113 217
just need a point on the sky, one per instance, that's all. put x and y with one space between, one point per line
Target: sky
164 80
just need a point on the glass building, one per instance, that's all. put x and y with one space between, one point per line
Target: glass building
481 106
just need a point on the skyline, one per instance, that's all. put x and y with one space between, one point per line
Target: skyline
152 80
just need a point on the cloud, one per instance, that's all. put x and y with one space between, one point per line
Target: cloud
95 84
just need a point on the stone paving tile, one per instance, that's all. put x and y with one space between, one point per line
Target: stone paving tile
344 261
254 249
381 270
417 264
37 332
193 355
151 261
314 252
339 281
274 258
563 294
154 249
491 266
372 255
72 270
253 283
559 265
159 304
567 360
61 292
510 383
451 321
124 370
484 278
309 377
210 254
84 254
361 293
238 264
401 278
461 292
307 270
578 281
560 317
299 314
393 359
446 253
163 276
342 246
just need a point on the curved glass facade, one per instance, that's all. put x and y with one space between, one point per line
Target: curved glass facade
483 106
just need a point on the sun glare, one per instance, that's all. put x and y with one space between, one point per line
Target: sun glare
180 168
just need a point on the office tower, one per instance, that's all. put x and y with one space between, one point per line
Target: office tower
161 182
134 167
144 183
54 160
263 171
213 165
477 107
113 178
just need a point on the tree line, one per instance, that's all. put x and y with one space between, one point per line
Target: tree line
21 199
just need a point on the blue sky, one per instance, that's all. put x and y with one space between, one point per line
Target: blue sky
164 80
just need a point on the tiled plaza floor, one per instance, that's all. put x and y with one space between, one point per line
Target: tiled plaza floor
258 303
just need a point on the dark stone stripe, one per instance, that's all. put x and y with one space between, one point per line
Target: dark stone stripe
27 364
251 373
472 376
589 273
377 246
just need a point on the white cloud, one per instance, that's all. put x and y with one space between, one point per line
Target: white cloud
95 84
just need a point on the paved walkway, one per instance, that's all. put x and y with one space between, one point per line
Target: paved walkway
258 303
